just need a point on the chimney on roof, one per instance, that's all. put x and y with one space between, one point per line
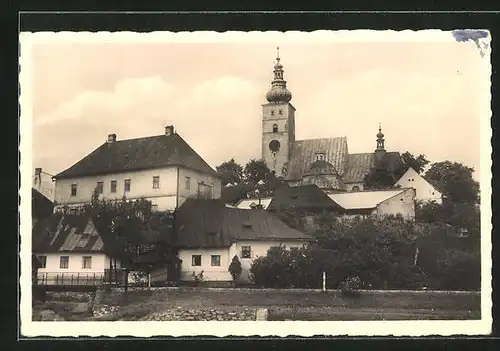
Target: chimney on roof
38 177
169 130
38 172
111 138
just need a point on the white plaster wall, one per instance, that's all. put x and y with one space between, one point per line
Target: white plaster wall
210 273
424 190
403 204
258 249
100 262
141 186
195 178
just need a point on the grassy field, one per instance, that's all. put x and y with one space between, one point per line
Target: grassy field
300 305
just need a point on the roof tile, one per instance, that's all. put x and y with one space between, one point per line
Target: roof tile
136 154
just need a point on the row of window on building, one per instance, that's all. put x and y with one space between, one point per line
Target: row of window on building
127 184
64 262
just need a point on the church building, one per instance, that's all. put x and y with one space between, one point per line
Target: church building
325 162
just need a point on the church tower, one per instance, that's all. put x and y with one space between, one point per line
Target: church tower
278 124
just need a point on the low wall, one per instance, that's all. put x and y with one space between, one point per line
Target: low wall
180 314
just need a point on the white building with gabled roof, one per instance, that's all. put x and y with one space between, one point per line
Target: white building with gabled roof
424 191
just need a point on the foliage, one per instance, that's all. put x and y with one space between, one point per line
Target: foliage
459 270
458 215
455 181
240 183
231 172
198 277
409 161
380 253
379 179
350 286
235 268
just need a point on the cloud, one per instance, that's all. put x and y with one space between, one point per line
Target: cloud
148 92
218 118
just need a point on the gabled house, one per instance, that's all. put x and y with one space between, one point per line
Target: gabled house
424 191
378 203
70 250
163 169
210 234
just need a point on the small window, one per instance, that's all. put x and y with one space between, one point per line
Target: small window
272 112
215 260
433 193
126 185
154 208
113 186
196 260
64 262
156 182
355 188
73 189
87 262
275 128
43 261
100 187
246 252
188 183
280 112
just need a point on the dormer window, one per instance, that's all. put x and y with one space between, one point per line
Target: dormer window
320 156
275 128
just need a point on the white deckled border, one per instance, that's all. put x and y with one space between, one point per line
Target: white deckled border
261 328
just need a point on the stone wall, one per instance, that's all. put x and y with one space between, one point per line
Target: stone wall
180 314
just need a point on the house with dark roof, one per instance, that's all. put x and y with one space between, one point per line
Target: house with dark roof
210 234
325 162
163 169
69 247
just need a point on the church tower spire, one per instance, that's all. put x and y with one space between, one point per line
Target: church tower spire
278 92
380 151
278 123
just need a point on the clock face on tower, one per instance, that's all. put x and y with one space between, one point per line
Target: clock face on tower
274 146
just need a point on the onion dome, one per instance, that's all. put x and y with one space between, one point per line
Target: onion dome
380 139
278 92
321 167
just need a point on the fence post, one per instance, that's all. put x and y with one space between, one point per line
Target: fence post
93 281
62 278
77 278
324 281
71 279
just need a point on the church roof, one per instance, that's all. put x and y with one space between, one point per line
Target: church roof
303 153
359 165
304 197
321 167
136 154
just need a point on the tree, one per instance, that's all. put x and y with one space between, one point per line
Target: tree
231 172
120 225
379 179
455 181
256 170
235 268
417 163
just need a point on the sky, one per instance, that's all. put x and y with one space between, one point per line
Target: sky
426 95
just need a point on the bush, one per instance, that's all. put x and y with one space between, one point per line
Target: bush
235 268
198 278
350 286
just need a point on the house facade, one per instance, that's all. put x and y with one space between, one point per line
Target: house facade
424 191
210 234
70 251
163 169
378 203
325 162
